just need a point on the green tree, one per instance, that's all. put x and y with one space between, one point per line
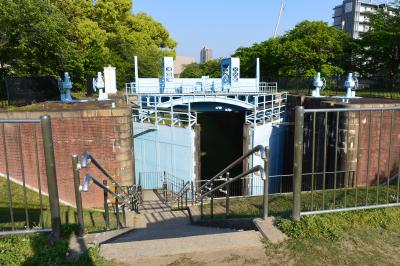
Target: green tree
308 48
48 37
33 40
380 46
210 68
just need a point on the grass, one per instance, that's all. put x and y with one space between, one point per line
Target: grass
280 205
93 219
35 249
368 237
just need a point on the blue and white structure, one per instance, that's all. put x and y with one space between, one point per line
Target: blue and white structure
319 84
165 117
351 85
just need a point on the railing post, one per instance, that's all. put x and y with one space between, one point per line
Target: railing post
266 184
124 215
298 161
105 204
165 194
212 202
78 196
183 187
51 176
117 212
201 208
227 196
192 189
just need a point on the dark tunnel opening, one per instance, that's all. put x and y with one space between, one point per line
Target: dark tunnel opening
221 141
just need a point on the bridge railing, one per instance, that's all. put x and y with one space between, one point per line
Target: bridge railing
178 88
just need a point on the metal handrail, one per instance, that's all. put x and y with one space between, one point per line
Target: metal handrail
259 148
87 158
122 196
255 169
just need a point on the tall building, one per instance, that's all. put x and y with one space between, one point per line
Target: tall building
180 63
205 55
351 15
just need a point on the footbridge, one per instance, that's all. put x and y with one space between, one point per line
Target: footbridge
177 120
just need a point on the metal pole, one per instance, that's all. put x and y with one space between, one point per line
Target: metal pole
227 196
117 213
266 183
106 213
298 161
78 196
183 187
186 197
124 215
47 136
201 206
193 196
212 202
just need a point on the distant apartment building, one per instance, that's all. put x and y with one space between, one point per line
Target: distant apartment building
351 15
180 62
205 55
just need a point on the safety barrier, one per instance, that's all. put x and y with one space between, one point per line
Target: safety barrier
29 216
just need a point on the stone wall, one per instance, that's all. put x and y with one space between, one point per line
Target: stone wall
106 133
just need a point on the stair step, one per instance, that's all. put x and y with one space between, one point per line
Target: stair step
134 250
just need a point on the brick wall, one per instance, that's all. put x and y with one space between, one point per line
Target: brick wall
106 133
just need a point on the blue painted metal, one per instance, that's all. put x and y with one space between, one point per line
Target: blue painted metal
319 84
351 85
165 148
166 112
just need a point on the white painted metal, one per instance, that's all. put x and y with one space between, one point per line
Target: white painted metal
110 80
278 22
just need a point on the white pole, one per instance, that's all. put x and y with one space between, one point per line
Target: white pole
258 74
136 73
278 22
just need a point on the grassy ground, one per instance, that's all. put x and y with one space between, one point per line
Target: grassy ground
34 249
370 237
281 205
93 219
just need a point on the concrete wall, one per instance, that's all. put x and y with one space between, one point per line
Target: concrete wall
106 133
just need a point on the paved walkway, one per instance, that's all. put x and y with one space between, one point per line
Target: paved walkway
162 236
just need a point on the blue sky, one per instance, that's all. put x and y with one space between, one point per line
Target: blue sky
224 25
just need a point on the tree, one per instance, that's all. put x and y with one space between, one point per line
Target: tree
308 48
195 70
31 38
48 37
380 54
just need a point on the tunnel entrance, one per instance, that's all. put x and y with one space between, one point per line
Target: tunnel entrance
221 142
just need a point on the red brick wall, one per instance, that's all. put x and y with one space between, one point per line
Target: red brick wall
107 134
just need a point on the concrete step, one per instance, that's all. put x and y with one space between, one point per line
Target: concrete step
159 251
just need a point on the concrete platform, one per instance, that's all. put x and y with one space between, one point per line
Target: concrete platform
269 231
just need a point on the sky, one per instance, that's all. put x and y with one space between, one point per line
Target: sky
225 25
